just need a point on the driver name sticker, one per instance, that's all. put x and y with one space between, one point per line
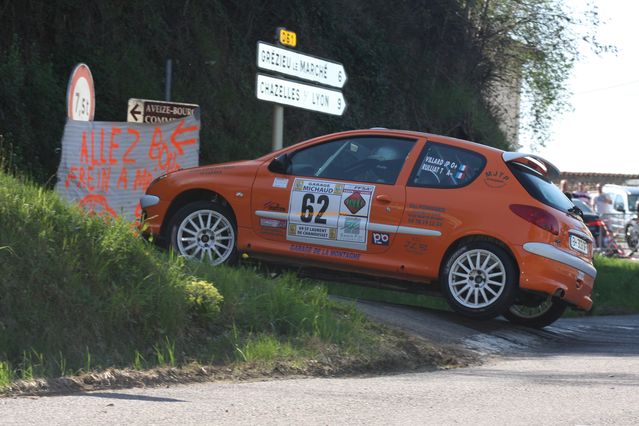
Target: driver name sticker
329 213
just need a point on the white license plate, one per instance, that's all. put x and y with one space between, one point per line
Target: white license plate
579 244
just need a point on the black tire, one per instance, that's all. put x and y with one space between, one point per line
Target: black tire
479 280
204 231
544 313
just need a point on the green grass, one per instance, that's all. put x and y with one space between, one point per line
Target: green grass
79 293
616 288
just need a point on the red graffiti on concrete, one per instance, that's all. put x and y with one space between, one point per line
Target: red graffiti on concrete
110 161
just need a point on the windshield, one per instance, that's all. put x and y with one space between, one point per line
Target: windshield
632 202
540 188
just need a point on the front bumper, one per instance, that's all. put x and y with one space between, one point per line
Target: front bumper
545 268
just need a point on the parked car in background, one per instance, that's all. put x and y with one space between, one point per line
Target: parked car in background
485 227
624 202
603 239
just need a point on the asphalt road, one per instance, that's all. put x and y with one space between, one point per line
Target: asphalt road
577 372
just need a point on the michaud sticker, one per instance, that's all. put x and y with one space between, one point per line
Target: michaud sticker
329 213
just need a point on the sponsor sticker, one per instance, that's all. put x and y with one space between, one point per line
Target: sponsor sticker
272 223
496 179
329 213
380 239
279 182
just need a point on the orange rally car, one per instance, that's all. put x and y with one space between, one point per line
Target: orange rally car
484 226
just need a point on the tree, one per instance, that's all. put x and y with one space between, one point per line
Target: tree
534 43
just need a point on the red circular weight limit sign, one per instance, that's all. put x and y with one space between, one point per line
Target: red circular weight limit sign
81 94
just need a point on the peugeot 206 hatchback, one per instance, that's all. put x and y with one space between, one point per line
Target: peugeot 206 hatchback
485 227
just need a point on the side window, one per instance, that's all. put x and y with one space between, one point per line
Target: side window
445 166
618 203
363 159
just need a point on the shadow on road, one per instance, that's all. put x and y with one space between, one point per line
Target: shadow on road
615 335
124 396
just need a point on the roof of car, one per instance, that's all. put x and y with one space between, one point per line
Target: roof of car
620 188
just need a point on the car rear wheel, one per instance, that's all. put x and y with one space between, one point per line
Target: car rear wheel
537 315
204 231
479 280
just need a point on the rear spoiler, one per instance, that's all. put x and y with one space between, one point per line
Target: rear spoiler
545 167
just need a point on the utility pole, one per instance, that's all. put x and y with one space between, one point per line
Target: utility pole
167 80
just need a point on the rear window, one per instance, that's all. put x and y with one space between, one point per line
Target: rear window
540 188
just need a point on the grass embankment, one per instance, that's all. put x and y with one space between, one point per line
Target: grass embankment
616 289
79 294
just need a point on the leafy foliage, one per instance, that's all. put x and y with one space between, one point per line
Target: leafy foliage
532 44
415 65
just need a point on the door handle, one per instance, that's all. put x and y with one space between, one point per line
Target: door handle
383 198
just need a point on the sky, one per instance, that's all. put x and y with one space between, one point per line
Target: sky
601 131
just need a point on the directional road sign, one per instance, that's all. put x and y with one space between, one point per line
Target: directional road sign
287 92
148 111
290 62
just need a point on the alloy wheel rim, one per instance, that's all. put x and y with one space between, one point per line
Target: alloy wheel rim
532 312
477 279
207 236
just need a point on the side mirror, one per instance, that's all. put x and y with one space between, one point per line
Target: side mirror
280 164
620 208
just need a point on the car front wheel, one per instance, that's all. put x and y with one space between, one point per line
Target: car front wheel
479 280
204 231
537 315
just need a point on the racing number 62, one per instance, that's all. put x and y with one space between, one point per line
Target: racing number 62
308 201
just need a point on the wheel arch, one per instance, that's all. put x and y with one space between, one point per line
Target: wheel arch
477 238
190 196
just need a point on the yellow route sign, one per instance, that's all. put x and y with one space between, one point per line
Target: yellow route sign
287 38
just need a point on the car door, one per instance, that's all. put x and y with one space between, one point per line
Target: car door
335 201
436 203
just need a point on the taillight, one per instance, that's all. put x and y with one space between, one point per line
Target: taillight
596 222
537 216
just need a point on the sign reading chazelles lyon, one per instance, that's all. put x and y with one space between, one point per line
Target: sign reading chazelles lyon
287 92
295 64
148 111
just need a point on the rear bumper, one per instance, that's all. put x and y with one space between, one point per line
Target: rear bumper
547 269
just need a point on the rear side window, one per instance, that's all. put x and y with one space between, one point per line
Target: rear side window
445 166
540 188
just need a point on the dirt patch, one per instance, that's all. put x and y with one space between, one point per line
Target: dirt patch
398 352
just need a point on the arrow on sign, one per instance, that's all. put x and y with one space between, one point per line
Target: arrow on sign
287 92
300 65
134 112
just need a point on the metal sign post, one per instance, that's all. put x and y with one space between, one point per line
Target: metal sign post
278 127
